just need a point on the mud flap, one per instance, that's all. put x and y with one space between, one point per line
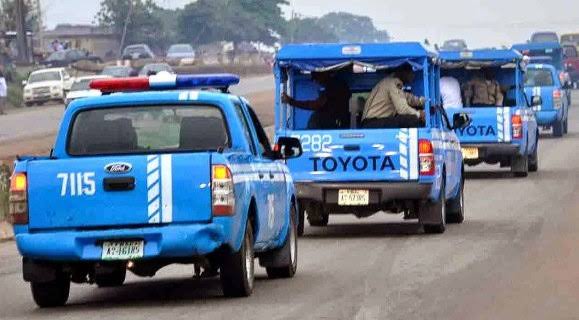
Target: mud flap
429 213
519 164
39 272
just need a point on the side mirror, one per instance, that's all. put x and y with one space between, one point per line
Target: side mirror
288 148
536 101
461 121
24 83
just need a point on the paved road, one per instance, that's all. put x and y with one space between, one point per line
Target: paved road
515 257
41 121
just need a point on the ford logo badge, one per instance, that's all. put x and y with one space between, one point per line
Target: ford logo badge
118 167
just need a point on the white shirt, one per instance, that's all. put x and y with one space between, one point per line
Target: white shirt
450 91
3 88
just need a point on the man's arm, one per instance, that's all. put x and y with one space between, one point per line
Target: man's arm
499 95
308 105
414 101
399 101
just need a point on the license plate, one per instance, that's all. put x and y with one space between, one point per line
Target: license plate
122 250
353 197
470 153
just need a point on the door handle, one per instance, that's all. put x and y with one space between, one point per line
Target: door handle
119 184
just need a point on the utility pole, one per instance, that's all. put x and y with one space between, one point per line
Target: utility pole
127 21
22 37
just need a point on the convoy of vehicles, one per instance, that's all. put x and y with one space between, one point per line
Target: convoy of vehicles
542 83
46 85
418 171
139 181
508 134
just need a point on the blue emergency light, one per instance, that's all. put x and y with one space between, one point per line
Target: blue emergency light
166 81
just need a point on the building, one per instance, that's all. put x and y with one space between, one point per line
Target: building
100 41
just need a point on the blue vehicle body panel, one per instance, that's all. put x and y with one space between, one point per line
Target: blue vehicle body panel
491 127
549 112
362 157
177 220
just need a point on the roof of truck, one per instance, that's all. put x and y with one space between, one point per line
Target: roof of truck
537 46
354 51
508 55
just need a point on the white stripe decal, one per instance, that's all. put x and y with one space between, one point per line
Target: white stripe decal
153 189
167 188
507 124
500 125
403 150
413 154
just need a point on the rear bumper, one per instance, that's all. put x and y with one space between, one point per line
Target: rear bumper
547 118
487 151
380 191
160 242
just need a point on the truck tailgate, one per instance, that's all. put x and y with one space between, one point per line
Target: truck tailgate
356 155
489 125
119 191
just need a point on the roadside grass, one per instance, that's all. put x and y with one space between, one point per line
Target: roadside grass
15 79
4 186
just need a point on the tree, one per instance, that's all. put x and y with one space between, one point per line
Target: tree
308 30
144 25
353 28
207 21
8 15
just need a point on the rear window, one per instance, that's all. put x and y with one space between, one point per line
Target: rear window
570 52
81 85
148 129
545 37
538 78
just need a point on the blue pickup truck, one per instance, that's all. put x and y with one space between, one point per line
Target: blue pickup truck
355 170
507 133
141 180
542 80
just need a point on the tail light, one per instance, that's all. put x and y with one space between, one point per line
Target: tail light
18 199
517 122
557 101
426 155
222 191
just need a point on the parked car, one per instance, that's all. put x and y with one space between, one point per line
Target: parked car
67 57
154 68
119 71
81 89
546 36
182 54
454 45
46 85
139 181
138 51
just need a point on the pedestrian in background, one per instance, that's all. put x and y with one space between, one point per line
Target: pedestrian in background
3 93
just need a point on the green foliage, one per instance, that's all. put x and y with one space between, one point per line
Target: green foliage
308 30
207 21
146 24
353 28
8 15
4 185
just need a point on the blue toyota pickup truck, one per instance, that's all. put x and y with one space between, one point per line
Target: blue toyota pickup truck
141 180
507 133
347 169
542 80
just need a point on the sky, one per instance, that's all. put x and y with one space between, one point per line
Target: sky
482 23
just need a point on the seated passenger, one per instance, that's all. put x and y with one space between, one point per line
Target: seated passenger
450 92
331 108
483 90
388 106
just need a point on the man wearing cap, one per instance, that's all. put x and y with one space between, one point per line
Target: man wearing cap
388 106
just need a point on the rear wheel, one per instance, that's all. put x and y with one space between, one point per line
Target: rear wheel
520 166
558 129
288 254
53 293
455 207
316 215
534 160
436 213
301 219
237 269
566 126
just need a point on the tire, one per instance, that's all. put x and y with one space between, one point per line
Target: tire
237 269
534 160
558 129
51 294
520 166
289 253
455 207
28 104
316 215
439 208
301 220
566 126
115 279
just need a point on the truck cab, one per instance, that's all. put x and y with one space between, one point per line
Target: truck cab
541 80
507 133
141 180
353 170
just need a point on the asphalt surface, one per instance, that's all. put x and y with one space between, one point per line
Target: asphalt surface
44 120
515 257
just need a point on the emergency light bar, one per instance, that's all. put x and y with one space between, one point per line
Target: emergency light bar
166 81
